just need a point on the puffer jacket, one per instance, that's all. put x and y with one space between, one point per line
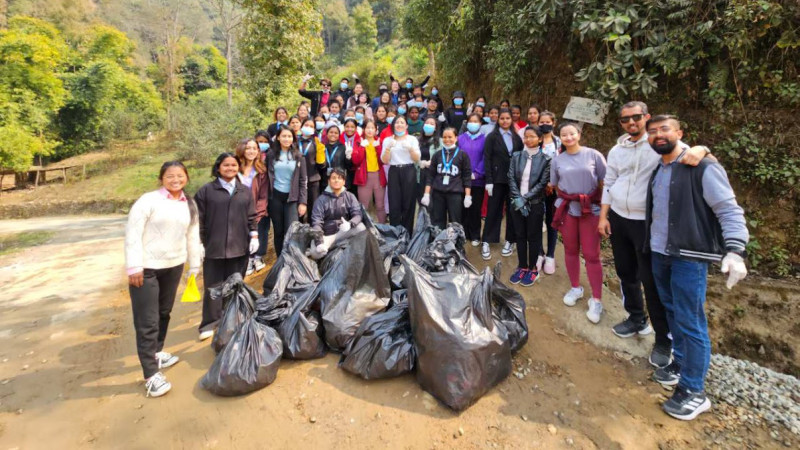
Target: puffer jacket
627 174
329 209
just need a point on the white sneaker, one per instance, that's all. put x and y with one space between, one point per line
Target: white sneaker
573 295
486 254
539 262
166 360
205 335
250 267
476 243
549 265
595 310
157 385
258 264
508 249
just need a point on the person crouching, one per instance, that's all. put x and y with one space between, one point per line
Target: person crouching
334 214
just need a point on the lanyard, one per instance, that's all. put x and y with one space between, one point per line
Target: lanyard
447 164
351 141
331 155
308 146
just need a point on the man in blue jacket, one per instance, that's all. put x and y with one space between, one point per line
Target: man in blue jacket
692 219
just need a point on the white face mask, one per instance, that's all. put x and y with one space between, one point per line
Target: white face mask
449 147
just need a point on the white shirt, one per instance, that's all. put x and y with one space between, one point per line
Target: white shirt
400 151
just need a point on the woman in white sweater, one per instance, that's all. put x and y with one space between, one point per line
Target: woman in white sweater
161 235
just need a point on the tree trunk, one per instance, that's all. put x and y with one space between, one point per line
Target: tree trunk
432 60
229 56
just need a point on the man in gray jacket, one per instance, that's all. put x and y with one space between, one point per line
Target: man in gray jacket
622 217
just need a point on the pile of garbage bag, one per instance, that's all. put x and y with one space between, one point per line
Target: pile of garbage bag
390 304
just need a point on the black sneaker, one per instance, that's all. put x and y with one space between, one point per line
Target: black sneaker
686 405
669 375
628 328
660 356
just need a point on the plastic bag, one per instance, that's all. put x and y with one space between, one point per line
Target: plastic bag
461 351
238 301
191 294
248 363
422 236
446 252
508 307
301 331
382 346
292 272
353 287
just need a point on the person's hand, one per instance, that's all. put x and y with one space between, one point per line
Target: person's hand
193 271
442 118
301 210
426 200
548 190
137 279
390 73
348 151
202 252
489 189
604 227
253 244
518 203
424 164
345 226
429 73
355 77
524 211
734 266
694 155
467 201
322 250
307 77
469 108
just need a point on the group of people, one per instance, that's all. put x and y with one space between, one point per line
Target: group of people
667 208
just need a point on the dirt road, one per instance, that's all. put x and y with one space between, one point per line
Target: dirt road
70 377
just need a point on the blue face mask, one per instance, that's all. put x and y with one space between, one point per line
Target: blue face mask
320 125
428 129
401 110
435 92
389 120
481 104
359 116
473 127
409 85
343 85
399 133
487 119
263 146
458 101
284 123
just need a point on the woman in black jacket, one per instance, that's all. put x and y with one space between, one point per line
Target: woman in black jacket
228 230
500 145
456 114
449 178
309 147
528 175
289 191
335 157
281 121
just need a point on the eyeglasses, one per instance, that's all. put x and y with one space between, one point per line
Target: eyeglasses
326 85
635 118
662 129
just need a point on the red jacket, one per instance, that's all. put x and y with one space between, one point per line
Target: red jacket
357 139
360 164
586 201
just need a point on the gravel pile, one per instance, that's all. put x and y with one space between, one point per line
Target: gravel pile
758 395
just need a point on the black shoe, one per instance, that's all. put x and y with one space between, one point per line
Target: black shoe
628 328
669 375
686 405
660 356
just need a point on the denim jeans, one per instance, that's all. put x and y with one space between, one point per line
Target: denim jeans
681 284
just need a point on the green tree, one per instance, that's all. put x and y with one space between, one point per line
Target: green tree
107 43
203 68
18 147
338 32
281 41
365 28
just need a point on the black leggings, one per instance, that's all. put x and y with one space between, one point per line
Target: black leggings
313 195
402 196
552 233
446 207
529 235
283 213
152 305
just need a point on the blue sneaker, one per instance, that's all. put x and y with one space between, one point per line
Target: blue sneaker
530 277
518 275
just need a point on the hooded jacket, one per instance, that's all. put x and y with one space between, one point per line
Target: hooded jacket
329 209
629 166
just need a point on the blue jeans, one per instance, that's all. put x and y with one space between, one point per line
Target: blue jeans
681 284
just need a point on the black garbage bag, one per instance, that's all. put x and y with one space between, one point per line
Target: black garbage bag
248 363
393 242
382 346
423 234
353 287
293 271
508 307
273 309
301 331
399 296
238 301
446 252
461 351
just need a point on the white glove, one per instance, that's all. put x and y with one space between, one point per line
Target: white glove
424 164
489 189
442 118
348 152
321 251
467 201
345 226
355 77
307 77
253 245
193 271
734 266
426 200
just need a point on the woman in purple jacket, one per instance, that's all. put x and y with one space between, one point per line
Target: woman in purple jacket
471 143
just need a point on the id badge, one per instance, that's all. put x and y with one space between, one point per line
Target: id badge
473 176
446 180
330 171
